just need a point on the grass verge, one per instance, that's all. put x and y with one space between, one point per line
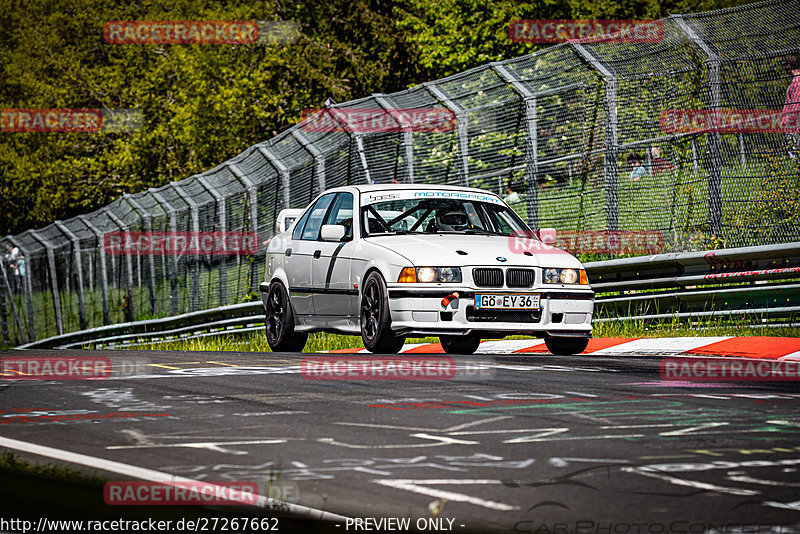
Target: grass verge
320 342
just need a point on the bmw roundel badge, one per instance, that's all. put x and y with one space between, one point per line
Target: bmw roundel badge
501 258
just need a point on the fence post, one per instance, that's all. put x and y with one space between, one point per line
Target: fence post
319 158
279 166
611 170
130 311
194 259
222 226
531 142
252 191
3 319
408 136
28 286
148 228
7 288
714 138
51 262
358 136
173 263
103 275
76 254
463 133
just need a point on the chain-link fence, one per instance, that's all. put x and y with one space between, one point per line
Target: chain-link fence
581 130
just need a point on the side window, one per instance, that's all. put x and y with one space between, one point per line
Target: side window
342 213
298 230
316 216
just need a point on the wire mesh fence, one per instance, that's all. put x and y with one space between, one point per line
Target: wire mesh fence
600 134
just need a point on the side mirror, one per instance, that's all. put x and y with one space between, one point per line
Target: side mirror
332 232
547 236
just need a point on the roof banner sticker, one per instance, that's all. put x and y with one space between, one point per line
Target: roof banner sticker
382 196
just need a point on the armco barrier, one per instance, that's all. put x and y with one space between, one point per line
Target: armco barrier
754 283
761 281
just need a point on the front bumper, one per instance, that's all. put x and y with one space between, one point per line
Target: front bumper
420 310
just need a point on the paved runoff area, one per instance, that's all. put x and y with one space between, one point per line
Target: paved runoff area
636 436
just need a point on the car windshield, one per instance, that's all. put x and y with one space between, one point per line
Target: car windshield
409 213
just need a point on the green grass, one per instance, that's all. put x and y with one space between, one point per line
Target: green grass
10 463
257 342
683 328
320 342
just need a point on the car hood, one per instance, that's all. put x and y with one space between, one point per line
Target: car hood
443 250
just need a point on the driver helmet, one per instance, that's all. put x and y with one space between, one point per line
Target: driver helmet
451 221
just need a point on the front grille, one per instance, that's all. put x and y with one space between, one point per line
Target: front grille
487 277
503 316
519 277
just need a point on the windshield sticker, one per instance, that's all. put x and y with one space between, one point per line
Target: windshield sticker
383 196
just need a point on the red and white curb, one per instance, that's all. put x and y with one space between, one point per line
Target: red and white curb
775 348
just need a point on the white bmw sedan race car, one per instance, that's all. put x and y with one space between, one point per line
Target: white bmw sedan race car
391 261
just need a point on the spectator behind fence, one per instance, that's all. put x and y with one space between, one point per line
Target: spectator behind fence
791 108
513 198
658 164
18 267
637 169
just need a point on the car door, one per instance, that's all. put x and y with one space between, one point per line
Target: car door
298 256
334 294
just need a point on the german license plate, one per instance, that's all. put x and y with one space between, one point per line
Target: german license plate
507 301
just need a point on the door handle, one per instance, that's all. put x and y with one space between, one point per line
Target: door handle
317 254
288 252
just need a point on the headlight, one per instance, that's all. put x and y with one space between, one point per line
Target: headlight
568 276
430 274
565 276
551 276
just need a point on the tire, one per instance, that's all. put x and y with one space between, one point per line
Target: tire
375 318
564 346
280 321
460 344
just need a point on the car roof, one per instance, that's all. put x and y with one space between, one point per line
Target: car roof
367 188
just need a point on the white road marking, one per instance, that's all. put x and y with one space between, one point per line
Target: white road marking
564 462
692 429
669 345
535 438
148 474
215 446
421 487
442 440
691 483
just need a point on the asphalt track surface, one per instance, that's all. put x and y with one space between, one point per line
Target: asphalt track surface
511 443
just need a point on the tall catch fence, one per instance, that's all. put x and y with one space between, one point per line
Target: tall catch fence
561 126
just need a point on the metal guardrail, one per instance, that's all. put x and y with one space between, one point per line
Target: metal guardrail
762 281
236 318
758 282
